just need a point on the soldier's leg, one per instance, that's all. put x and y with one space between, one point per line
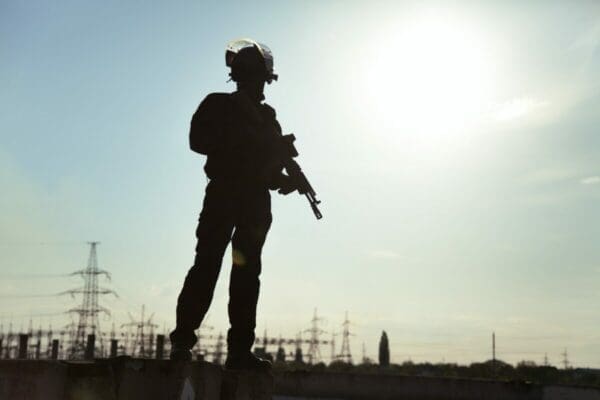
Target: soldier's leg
214 230
248 239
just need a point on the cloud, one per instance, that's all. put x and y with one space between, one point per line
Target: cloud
517 108
590 180
550 175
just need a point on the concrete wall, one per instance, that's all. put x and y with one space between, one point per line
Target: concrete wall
125 378
347 386
20 380
568 392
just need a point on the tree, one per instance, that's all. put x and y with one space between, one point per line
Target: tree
384 351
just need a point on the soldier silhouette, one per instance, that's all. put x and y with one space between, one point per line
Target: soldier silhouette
240 136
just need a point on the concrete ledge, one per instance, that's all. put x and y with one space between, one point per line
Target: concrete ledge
246 385
337 385
126 378
25 380
556 392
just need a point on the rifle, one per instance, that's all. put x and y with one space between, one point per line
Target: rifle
289 152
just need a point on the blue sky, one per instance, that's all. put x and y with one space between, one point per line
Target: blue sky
454 146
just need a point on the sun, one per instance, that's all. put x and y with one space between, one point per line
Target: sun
428 78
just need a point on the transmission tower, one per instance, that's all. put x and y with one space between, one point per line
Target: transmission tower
298 349
49 334
365 360
280 355
38 343
144 335
9 341
265 340
198 349
494 347
565 359
333 356
314 353
345 354
89 309
3 340
219 350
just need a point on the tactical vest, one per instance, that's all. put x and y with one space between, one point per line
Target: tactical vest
238 137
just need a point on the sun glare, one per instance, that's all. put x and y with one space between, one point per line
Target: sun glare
429 78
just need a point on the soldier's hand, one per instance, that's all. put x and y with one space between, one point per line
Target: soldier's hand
286 185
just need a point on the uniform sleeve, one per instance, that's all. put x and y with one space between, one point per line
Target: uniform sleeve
207 128
275 165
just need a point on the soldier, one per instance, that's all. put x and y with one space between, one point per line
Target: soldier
240 135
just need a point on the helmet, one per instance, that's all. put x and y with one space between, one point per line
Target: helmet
249 60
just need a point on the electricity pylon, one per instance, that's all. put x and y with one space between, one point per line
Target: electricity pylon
144 335
89 309
345 354
314 352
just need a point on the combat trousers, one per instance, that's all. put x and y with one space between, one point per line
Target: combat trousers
237 212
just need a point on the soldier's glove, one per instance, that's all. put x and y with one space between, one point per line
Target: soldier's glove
286 185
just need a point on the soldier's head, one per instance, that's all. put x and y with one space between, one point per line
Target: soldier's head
251 64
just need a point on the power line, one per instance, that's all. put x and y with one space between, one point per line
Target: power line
11 316
56 243
33 276
24 296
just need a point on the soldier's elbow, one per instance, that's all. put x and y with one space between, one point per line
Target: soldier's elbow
197 147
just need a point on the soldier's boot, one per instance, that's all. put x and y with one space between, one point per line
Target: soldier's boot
247 361
180 354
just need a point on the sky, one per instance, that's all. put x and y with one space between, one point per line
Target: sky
454 146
